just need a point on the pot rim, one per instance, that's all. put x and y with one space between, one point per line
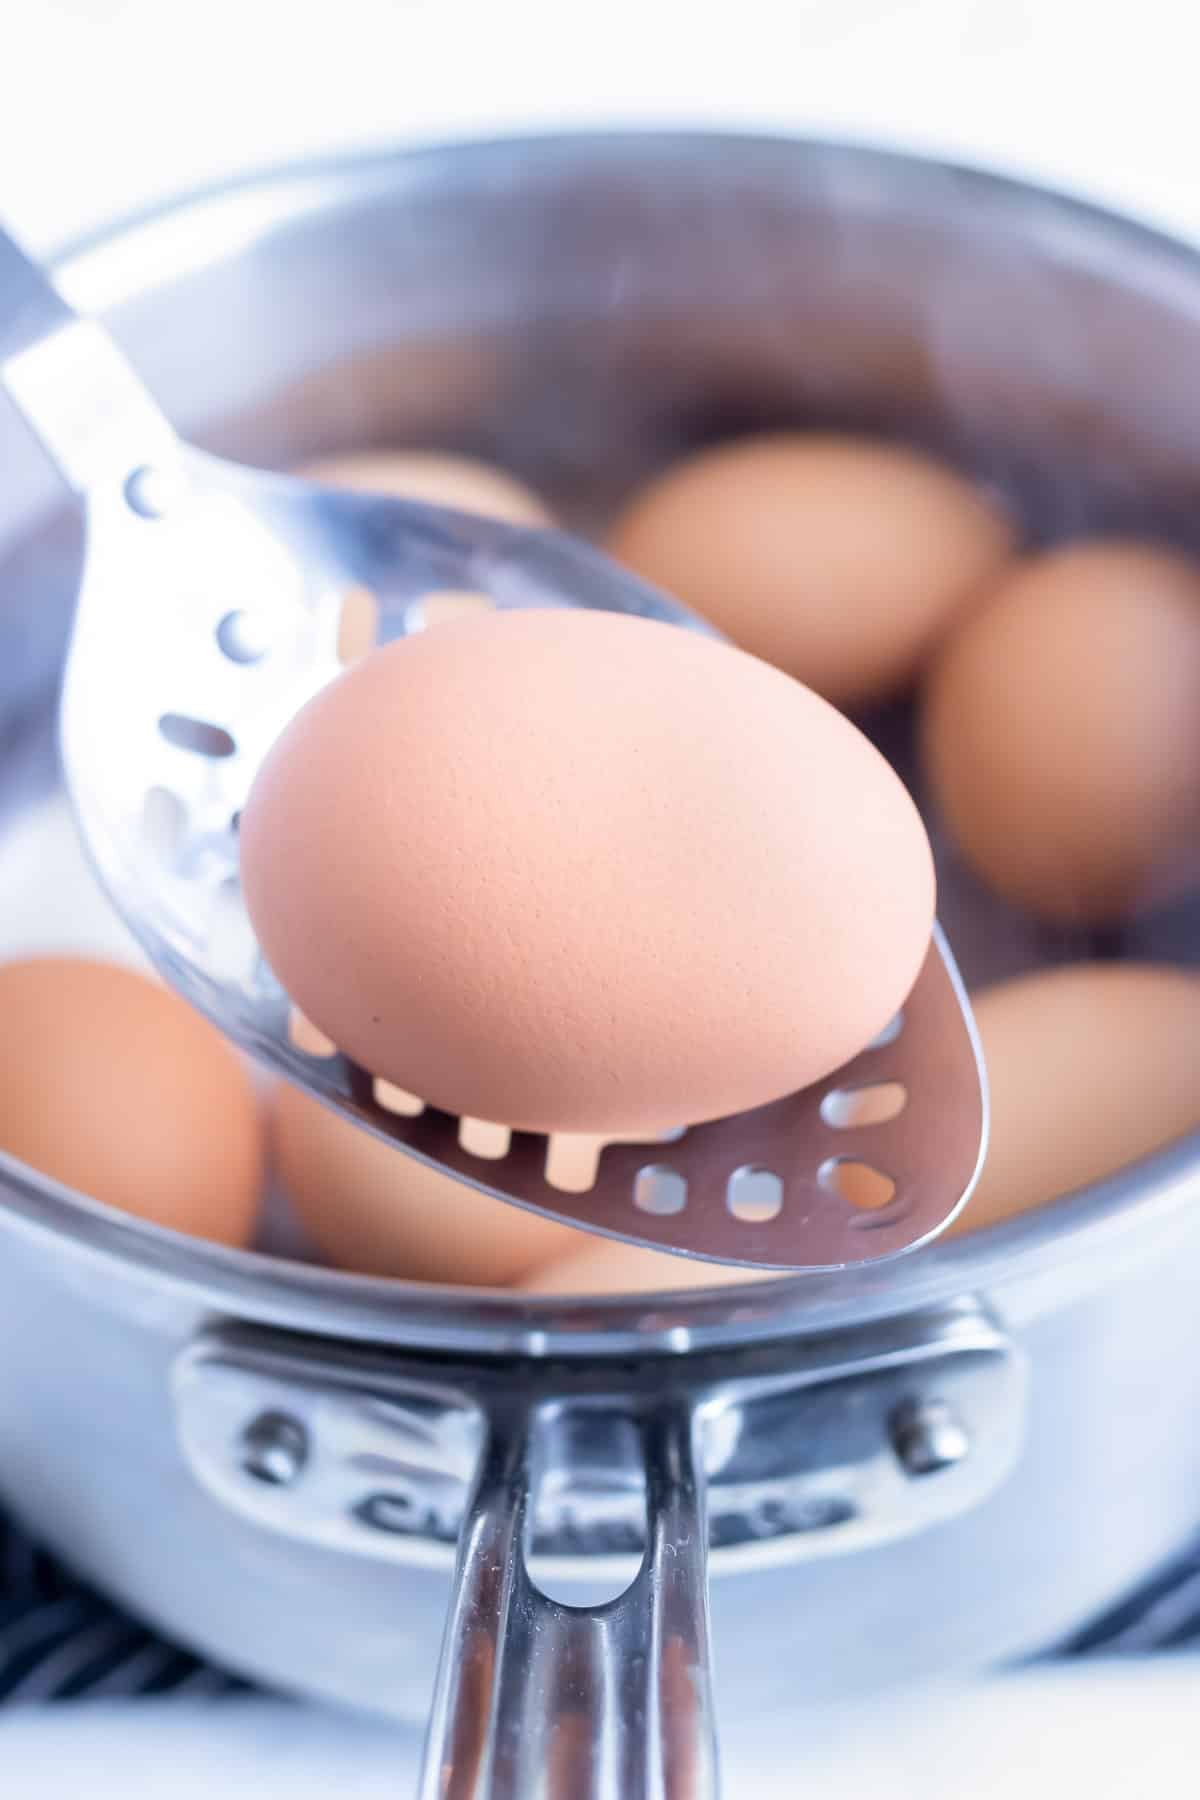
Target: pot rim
128 257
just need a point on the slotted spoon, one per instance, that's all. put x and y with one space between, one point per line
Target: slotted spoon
210 608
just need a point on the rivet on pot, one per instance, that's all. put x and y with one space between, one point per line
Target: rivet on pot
274 1449
927 1437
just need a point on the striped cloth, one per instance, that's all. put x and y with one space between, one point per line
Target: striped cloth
60 1640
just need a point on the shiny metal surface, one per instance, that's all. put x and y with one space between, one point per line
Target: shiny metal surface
274 1449
630 296
208 614
87 405
31 308
929 1436
807 1449
569 1702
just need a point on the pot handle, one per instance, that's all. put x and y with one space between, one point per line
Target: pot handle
570 1703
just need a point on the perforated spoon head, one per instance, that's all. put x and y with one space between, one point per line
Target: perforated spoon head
214 602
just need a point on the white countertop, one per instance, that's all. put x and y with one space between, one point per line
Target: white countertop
1063 1734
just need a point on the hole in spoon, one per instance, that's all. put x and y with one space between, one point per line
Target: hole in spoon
199 736
659 1190
573 1158
478 1137
243 637
754 1195
396 1100
305 1037
846 1108
859 1184
358 625
150 492
163 819
232 946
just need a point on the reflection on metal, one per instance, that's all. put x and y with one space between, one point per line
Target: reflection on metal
633 1474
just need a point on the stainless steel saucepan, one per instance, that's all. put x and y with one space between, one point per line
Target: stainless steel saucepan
898 1470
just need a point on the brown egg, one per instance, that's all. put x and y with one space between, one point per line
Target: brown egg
836 558
436 477
584 873
372 1209
1090 1067
604 1266
114 1086
1061 731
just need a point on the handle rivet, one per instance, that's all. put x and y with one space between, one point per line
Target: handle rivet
274 1449
927 1437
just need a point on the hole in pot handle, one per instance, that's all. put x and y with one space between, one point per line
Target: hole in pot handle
573 1703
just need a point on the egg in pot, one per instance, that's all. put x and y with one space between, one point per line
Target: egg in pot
1090 1067
839 559
112 1085
1060 731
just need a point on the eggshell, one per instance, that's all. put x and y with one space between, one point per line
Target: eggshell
1090 1067
585 873
839 559
1061 732
435 477
112 1085
372 1209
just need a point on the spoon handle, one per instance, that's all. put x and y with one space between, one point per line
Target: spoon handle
31 307
71 383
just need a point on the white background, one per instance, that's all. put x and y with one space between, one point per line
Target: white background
107 104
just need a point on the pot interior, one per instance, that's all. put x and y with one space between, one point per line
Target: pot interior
583 310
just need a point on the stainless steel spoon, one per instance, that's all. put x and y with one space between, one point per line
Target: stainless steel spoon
210 608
